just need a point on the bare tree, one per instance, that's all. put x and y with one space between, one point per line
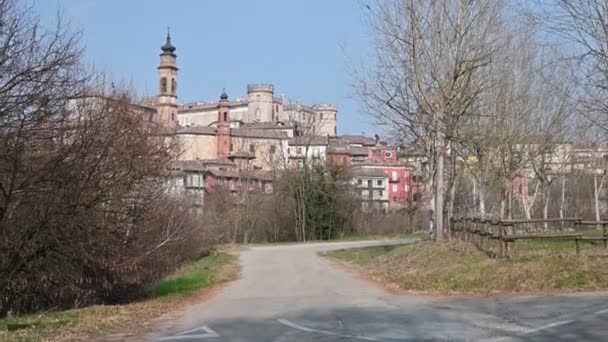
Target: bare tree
85 215
581 28
427 74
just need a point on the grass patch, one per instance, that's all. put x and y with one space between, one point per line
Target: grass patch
459 268
362 237
98 320
201 273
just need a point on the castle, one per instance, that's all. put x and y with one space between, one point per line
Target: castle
244 144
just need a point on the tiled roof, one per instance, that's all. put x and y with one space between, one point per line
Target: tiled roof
267 125
355 139
255 133
380 162
358 151
200 164
367 172
340 148
188 165
204 130
198 106
247 174
309 140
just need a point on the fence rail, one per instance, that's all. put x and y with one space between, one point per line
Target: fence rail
498 237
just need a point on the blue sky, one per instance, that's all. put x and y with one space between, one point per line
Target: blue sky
303 47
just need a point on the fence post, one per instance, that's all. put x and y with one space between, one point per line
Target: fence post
604 236
578 248
500 240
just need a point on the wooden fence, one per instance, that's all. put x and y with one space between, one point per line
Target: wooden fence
498 237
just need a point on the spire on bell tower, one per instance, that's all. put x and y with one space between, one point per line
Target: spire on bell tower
167 90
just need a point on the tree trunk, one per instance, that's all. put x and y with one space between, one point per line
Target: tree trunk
562 203
482 200
439 191
510 202
474 193
452 195
596 195
503 203
546 188
546 207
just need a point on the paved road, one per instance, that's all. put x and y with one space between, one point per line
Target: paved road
289 293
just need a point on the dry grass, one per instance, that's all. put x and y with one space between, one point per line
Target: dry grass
88 323
459 268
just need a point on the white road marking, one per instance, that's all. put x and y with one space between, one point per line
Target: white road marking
497 339
531 331
323 332
527 331
208 333
551 325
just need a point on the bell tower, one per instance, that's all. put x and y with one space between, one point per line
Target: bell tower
223 126
167 85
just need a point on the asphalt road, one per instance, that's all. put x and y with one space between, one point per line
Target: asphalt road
289 293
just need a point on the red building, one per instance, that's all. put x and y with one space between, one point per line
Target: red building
382 151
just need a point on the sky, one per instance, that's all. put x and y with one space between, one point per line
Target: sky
306 48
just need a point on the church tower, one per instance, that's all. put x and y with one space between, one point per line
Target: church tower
223 127
167 85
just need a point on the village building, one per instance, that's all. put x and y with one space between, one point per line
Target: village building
241 145
370 186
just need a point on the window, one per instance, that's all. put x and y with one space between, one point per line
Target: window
173 85
394 175
225 116
288 150
220 181
379 182
321 116
268 188
252 148
272 149
380 193
299 150
388 154
172 116
316 153
231 147
369 183
360 182
395 187
163 85
394 198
